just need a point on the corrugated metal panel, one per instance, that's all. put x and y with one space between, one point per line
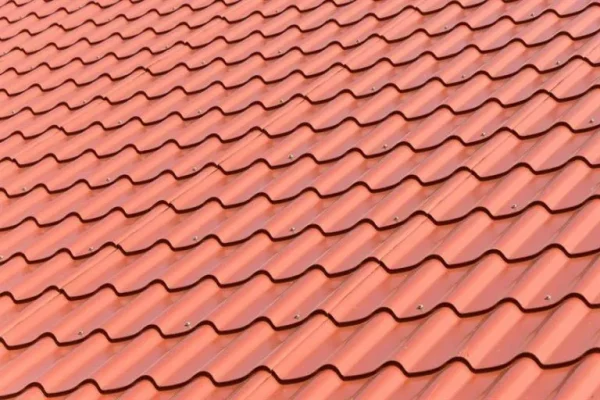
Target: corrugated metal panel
317 199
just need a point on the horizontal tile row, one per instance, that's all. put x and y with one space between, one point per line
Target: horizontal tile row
460 98
291 240
483 342
471 290
240 178
496 64
391 191
523 379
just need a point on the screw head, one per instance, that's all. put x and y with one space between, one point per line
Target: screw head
120 122
195 238
463 76
83 101
80 333
97 57
188 324
280 101
513 206
297 316
199 111
532 15
357 41
372 88
592 120
420 307
547 297
91 248
108 179
445 27
278 51
292 229
483 133
291 156
194 169
396 218
24 189
13 112
385 146
202 62
557 62
1 257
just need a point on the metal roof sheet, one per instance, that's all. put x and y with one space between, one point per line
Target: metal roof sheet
299 199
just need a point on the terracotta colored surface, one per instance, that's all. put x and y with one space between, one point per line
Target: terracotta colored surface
299 199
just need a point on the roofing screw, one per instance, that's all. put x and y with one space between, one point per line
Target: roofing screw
396 218
13 112
297 316
483 133
97 57
194 169
445 27
24 188
174 8
291 156
107 179
384 146
91 248
514 206
201 62
280 101
195 238
278 51
557 62
548 297
120 122
420 307
80 333
199 111
532 15
592 120
292 229
188 324
357 41
372 88
463 76
1 257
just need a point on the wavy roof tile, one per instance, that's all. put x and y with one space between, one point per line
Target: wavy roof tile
282 199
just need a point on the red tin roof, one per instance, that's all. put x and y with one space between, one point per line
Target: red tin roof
311 199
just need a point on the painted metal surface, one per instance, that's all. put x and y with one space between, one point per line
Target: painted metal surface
284 199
